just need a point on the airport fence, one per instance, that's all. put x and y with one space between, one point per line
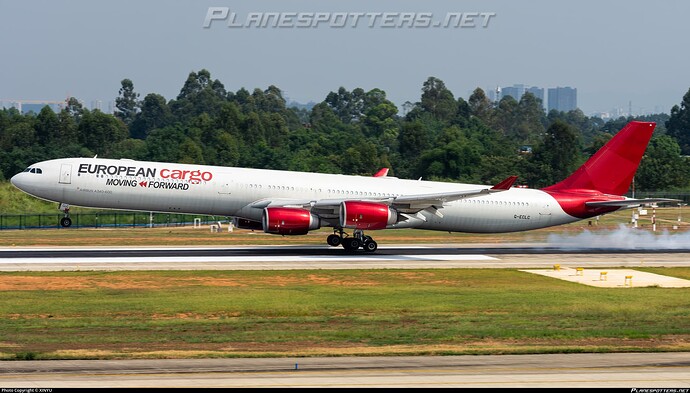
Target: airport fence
105 220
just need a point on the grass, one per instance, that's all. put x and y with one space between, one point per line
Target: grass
302 313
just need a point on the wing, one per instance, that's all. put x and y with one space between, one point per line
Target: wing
406 204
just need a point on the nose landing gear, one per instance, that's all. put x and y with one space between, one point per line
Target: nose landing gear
65 221
358 239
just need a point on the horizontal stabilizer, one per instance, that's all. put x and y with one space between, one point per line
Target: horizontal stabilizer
631 202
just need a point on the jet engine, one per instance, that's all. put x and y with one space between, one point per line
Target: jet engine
366 215
289 221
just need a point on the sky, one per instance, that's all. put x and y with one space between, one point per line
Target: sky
616 53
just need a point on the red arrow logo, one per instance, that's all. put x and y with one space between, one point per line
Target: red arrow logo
142 183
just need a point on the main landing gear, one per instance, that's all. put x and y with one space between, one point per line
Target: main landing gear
65 221
353 243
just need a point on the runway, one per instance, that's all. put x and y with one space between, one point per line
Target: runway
621 370
521 256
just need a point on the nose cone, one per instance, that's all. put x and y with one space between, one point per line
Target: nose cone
23 181
32 184
16 180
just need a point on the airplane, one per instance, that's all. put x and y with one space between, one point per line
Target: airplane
294 203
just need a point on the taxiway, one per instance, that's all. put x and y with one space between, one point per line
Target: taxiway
621 370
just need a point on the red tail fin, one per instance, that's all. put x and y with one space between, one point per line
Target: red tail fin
611 169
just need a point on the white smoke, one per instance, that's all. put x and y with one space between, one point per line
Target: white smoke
622 238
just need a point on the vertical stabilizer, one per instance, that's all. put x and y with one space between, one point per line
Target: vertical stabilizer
611 169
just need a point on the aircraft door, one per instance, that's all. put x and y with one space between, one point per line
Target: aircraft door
545 213
66 173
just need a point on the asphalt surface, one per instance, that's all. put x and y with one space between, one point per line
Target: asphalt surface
271 251
324 257
621 370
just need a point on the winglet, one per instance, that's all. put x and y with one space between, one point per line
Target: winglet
505 184
383 172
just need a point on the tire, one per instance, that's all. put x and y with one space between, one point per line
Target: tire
334 240
350 244
66 222
370 246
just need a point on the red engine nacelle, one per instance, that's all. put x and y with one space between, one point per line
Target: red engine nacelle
289 221
366 215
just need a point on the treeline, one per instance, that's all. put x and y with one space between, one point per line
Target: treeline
440 137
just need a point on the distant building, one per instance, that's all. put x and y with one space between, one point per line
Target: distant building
35 106
517 91
562 99
494 95
537 92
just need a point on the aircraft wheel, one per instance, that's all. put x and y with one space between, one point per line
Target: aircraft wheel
350 243
370 246
66 222
333 240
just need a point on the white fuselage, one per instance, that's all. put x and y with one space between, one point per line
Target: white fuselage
225 191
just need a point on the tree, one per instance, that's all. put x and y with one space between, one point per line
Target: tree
74 108
99 132
348 106
529 120
155 113
133 149
47 126
127 102
480 106
273 100
505 116
195 83
662 167
163 144
678 126
454 157
462 117
198 95
438 100
67 133
556 157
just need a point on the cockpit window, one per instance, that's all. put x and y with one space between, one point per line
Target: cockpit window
27 169
34 170
39 171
